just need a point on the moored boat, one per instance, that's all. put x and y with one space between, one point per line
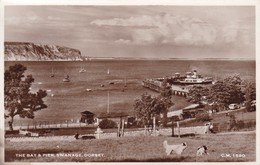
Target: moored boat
191 78
66 79
82 70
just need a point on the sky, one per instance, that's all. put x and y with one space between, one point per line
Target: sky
138 31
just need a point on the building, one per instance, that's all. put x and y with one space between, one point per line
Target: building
87 117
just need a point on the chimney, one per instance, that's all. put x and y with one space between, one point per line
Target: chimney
195 73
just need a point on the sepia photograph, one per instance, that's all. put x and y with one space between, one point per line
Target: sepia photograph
129 83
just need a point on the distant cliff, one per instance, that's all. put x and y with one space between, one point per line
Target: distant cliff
26 51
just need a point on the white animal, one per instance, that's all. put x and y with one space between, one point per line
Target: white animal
22 132
177 148
202 150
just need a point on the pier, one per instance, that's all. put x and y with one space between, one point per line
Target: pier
156 85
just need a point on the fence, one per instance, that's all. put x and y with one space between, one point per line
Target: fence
49 124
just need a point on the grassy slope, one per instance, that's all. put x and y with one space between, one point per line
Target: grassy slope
138 149
222 118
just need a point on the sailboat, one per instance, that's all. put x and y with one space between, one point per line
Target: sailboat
82 70
108 71
52 74
125 82
66 79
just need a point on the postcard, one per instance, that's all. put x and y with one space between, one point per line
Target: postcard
99 82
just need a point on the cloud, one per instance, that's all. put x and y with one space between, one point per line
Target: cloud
31 17
26 19
238 31
123 41
164 28
53 18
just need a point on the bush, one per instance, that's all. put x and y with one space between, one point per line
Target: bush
250 124
107 124
232 122
240 124
204 117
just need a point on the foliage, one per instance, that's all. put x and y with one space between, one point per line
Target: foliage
250 95
196 94
204 117
18 100
219 93
241 124
165 89
232 122
227 91
165 97
234 84
148 107
106 123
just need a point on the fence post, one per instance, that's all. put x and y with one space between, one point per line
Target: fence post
172 127
178 126
118 129
154 130
123 124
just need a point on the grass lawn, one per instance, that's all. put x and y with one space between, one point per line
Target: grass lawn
139 148
223 120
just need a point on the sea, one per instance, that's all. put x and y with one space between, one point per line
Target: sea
98 91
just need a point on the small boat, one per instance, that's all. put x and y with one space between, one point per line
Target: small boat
52 74
66 79
108 71
82 70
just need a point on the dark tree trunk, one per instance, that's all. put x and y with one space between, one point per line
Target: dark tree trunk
10 123
172 127
165 119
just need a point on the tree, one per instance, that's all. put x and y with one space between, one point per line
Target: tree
250 95
144 108
227 91
166 100
148 107
196 94
18 100
234 84
219 94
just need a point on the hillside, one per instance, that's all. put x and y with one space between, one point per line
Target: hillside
26 51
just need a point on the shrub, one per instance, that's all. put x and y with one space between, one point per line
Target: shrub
240 124
107 124
232 122
250 124
204 117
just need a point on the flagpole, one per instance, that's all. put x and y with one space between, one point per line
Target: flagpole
108 101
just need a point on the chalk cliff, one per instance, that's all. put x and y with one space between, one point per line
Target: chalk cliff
26 51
